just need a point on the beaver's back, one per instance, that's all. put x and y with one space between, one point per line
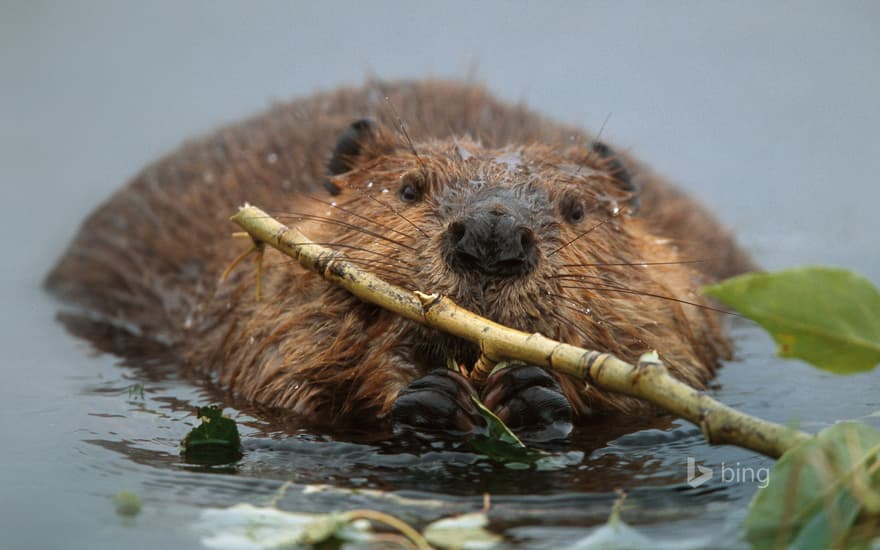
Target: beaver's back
155 249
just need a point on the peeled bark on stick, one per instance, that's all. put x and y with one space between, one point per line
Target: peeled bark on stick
648 380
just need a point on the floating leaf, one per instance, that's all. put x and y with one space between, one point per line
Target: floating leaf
325 527
214 441
128 504
498 430
464 532
616 534
500 443
817 490
828 317
248 526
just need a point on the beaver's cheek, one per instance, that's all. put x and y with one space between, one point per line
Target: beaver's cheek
530 402
437 402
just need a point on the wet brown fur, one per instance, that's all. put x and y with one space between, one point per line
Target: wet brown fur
149 260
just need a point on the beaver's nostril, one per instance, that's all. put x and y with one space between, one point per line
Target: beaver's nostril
526 239
457 231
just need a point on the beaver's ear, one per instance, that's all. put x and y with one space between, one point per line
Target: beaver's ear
348 146
614 165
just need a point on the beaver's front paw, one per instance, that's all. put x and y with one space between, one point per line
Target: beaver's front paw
437 402
530 402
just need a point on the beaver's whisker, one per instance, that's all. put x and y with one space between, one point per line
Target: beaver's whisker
573 303
355 214
385 260
402 127
379 269
374 262
563 321
588 231
357 248
610 288
600 324
634 264
333 221
598 137
394 210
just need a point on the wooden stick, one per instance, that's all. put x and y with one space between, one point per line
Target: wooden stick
648 380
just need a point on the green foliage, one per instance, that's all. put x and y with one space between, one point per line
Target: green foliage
818 491
214 441
501 444
127 504
828 317
136 392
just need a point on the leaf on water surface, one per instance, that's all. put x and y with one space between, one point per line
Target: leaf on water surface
128 504
214 441
828 317
464 532
616 534
498 430
245 526
501 444
818 490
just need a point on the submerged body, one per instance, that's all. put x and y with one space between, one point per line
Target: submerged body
525 221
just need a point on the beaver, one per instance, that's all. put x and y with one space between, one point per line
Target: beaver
436 186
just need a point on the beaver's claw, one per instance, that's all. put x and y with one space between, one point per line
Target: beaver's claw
526 398
437 402
530 402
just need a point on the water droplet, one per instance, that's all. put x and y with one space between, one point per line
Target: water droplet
251 340
384 190
333 203
271 158
369 185
616 210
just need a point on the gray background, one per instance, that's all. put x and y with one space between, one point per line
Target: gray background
768 111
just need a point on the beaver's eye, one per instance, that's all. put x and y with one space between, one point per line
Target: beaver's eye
573 210
410 189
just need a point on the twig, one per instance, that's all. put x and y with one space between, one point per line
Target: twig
648 380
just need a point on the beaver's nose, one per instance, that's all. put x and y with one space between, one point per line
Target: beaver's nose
491 242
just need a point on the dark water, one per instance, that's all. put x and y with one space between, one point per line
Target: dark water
767 112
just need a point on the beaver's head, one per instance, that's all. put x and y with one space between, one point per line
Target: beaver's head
536 238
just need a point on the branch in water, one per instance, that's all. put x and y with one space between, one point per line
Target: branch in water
648 380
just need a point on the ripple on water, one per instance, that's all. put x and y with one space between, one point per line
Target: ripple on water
135 438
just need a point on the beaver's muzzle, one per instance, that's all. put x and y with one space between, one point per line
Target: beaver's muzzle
493 237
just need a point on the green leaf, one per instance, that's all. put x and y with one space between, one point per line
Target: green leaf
128 504
828 317
817 490
500 443
214 441
498 430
